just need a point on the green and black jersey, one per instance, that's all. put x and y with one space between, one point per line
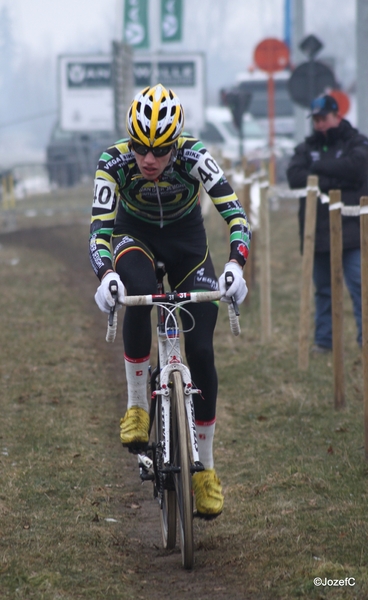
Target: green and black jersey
120 189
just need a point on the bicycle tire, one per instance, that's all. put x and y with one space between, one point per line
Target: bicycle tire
182 478
168 500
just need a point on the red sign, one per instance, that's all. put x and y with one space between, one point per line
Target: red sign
271 55
342 100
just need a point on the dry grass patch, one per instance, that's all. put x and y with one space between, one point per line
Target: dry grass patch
75 523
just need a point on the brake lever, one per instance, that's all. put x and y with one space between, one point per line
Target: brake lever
229 278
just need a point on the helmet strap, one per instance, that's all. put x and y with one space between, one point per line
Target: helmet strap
174 154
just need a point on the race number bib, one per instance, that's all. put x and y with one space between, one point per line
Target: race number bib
207 171
104 194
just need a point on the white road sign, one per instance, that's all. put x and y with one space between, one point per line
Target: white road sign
86 93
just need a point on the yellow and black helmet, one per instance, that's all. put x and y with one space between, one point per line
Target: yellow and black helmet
155 117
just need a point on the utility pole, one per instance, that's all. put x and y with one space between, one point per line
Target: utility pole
154 26
362 65
297 35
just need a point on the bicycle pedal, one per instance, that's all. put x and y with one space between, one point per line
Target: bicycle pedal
146 475
196 467
145 462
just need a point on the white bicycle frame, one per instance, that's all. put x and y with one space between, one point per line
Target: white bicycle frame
170 360
170 357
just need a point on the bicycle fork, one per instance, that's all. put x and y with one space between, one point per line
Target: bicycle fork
145 463
189 409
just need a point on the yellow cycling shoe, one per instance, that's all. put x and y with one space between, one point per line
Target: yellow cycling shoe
208 494
134 427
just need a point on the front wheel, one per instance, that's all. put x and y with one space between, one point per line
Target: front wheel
166 489
182 478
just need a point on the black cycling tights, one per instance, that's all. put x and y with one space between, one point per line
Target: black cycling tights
136 271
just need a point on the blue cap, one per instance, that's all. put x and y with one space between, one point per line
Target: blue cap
323 105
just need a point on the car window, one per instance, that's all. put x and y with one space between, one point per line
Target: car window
59 134
210 133
252 129
231 128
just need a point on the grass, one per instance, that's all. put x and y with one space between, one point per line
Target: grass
55 475
301 481
293 468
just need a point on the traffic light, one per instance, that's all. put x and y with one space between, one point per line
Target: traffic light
238 101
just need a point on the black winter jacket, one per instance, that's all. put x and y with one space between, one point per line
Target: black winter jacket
340 160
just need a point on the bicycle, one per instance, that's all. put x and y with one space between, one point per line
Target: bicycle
171 458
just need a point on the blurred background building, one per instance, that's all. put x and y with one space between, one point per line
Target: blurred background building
58 109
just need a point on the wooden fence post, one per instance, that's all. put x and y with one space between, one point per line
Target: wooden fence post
249 266
364 271
337 298
264 263
307 271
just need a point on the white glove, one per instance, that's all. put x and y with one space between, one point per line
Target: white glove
238 288
103 297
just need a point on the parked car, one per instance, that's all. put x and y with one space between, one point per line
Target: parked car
72 156
220 134
255 83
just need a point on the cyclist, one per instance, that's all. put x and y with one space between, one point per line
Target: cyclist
146 208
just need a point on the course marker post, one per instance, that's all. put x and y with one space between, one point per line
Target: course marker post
307 271
264 264
337 297
250 264
364 271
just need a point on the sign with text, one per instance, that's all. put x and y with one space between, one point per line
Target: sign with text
86 101
174 74
170 73
88 74
184 73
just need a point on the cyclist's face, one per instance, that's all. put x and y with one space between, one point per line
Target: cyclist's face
151 166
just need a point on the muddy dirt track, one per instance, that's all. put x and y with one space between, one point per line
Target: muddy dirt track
158 573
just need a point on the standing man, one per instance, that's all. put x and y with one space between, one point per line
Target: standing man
338 154
146 209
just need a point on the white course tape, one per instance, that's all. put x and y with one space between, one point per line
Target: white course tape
312 188
336 206
351 211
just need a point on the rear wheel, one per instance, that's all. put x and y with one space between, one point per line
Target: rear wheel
182 478
168 497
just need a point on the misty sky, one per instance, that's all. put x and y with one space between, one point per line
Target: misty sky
226 30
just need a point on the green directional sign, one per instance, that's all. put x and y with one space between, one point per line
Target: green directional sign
171 20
